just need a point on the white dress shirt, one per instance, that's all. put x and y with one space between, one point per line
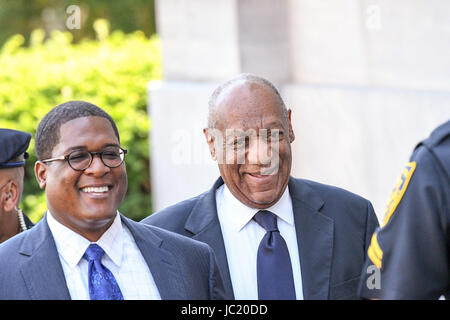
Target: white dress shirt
122 257
242 235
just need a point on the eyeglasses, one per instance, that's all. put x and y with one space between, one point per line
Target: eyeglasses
80 160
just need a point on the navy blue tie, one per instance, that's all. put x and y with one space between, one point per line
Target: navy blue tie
102 284
275 279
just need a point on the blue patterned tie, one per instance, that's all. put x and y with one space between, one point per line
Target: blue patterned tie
274 269
102 284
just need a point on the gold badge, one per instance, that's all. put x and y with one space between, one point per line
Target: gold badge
399 190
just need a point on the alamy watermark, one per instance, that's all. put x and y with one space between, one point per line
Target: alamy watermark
73 20
233 146
373 17
374 280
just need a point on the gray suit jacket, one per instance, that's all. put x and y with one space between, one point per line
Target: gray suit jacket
333 229
182 268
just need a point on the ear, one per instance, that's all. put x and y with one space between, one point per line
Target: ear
10 196
40 171
210 142
291 131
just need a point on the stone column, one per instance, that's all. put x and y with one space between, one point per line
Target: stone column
370 79
205 42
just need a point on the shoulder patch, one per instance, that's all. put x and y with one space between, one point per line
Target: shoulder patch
399 190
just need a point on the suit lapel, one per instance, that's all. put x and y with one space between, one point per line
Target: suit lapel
315 240
204 223
162 263
44 276
42 272
314 236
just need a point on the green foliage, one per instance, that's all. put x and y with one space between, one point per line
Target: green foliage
24 16
111 72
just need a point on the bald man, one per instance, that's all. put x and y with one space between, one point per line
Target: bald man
13 146
275 236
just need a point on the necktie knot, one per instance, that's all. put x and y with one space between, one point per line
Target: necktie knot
94 253
267 220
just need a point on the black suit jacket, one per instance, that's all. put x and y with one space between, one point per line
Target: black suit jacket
333 229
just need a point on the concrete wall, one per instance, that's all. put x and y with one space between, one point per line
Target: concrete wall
366 80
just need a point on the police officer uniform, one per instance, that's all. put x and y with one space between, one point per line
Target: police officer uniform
411 250
13 145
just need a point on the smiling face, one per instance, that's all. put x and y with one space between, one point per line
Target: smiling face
259 176
84 201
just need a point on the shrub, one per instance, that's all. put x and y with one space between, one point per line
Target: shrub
111 72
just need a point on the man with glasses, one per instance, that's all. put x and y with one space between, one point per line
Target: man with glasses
13 146
88 249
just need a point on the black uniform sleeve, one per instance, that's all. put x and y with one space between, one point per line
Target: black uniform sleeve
371 225
408 257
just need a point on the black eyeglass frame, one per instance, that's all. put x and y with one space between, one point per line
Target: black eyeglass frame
92 154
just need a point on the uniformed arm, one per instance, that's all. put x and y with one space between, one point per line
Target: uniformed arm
411 248
371 225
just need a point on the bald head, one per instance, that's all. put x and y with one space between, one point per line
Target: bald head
249 134
227 88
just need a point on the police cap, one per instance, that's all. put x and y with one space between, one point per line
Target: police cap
13 144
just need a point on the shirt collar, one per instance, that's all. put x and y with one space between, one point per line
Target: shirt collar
72 246
112 241
240 214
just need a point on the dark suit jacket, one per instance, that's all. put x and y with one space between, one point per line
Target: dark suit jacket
333 229
182 268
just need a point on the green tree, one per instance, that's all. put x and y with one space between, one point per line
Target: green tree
24 16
